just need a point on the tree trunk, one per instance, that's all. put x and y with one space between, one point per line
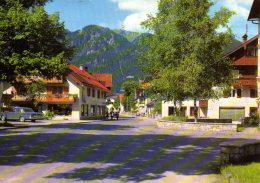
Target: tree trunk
175 108
1 91
195 111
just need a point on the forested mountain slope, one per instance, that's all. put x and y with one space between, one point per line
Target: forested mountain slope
103 50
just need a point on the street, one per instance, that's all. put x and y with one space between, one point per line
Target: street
127 150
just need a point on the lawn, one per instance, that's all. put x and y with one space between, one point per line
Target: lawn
248 173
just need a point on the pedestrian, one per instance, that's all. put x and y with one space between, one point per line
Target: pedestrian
112 113
117 113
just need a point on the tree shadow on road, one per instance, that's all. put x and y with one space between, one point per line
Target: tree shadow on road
124 156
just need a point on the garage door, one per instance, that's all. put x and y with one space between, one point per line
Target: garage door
231 113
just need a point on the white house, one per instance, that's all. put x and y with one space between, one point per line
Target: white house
80 96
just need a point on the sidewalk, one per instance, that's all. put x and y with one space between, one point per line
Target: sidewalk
14 125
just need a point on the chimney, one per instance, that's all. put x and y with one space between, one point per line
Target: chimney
244 38
81 67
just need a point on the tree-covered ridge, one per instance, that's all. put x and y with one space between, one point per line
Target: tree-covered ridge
104 50
107 51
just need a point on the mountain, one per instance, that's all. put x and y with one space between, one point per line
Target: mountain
234 43
103 50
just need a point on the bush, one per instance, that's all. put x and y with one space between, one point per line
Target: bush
254 119
49 114
175 118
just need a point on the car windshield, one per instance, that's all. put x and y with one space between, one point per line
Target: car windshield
27 110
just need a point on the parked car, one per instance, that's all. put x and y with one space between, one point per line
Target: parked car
20 113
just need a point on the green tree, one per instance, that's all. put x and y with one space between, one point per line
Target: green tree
116 103
34 91
31 41
185 54
129 87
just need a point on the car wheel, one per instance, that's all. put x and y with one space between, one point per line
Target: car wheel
22 119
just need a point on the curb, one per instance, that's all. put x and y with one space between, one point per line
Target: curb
13 127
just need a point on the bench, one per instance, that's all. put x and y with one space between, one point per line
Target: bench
239 151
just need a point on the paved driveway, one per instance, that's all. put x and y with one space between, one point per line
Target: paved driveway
127 150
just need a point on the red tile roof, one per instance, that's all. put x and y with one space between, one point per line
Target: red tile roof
107 78
83 77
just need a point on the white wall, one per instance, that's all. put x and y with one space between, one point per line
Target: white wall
74 88
214 105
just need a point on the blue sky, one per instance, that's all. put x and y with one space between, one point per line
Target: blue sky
127 14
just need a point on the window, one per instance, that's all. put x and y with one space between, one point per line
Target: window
239 93
93 93
82 95
88 92
86 111
253 93
251 52
98 94
57 90
191 111
233 93
93 110
170 110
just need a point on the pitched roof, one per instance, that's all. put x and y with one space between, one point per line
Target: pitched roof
242 45
255 10
107 78
83 77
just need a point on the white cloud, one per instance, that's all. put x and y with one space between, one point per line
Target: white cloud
241 7
139 10
137 5
239 21
133 21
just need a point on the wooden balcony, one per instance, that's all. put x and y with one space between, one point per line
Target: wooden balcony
245 81
46 98
203 103
62 99
53 81
19 98
246 60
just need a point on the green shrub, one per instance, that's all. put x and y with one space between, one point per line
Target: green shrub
175 118
157 107
49 114
254 119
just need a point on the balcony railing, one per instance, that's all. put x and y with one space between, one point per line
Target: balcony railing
53 81
246 60
246 81
58 98
20 98
49 98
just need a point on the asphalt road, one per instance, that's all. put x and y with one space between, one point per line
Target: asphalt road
127 150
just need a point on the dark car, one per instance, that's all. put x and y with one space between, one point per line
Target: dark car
20 113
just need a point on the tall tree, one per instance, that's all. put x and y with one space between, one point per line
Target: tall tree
185 54
31 41
129 87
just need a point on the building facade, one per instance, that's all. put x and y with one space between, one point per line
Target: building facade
79 96
240 100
